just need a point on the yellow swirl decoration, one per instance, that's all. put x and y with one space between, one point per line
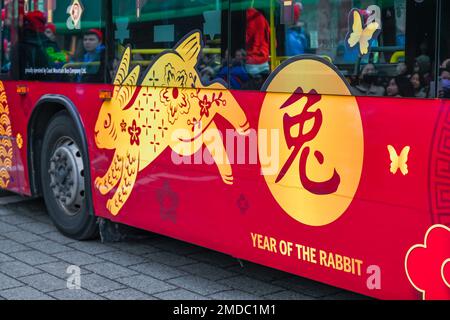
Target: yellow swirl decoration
19 141
6 150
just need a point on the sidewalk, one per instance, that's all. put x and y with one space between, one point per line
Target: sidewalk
35 257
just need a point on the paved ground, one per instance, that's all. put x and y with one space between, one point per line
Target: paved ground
34 258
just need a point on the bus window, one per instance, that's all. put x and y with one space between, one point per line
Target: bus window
62 41
444 71
251 38
368 41
151 27
7 28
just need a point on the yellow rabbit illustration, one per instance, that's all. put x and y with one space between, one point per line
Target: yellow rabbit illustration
169 108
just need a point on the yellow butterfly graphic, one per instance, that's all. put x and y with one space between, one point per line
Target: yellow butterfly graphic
399 161
360 35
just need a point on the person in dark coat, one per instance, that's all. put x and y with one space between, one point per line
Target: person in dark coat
31 50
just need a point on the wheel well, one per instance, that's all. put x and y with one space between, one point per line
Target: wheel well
45 109
36 129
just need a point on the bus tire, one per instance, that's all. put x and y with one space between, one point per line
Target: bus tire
63 183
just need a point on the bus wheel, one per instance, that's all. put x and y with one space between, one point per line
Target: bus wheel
63 179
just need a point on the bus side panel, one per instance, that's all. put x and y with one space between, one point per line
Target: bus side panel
364 250
83 97
366 247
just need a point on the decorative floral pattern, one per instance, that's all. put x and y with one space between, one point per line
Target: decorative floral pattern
134 132
123 125
174 95
205 105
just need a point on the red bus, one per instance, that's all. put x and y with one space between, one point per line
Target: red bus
310 136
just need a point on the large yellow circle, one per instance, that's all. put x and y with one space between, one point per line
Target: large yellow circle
340 140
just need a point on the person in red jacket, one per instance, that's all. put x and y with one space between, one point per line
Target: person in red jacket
257 43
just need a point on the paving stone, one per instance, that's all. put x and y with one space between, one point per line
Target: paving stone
77 258
307 287
12 199
33 258
49 246
146 284
135 248
215 258
58 237
16 219
24 293
91 247
110 270
259 272
4 211
178 247
127 294
9 246
345 295
198 285
36 206
28 210
179 294
8 282
287 295
44 219
23 237
67 294
155 267
98 284
59 269
5 258
251 285
37 227
17 269
207 271
158 270
122 258
5 228
44 282
234 295
170 259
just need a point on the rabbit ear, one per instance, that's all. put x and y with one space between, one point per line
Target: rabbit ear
124 67
132 78
190 47
125 92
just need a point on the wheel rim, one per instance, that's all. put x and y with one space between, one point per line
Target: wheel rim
67 176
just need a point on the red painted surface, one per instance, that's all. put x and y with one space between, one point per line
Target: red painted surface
388 215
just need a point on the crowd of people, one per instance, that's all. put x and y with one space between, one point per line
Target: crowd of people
444 87
418 83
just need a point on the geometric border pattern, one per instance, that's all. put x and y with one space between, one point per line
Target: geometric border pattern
440 170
